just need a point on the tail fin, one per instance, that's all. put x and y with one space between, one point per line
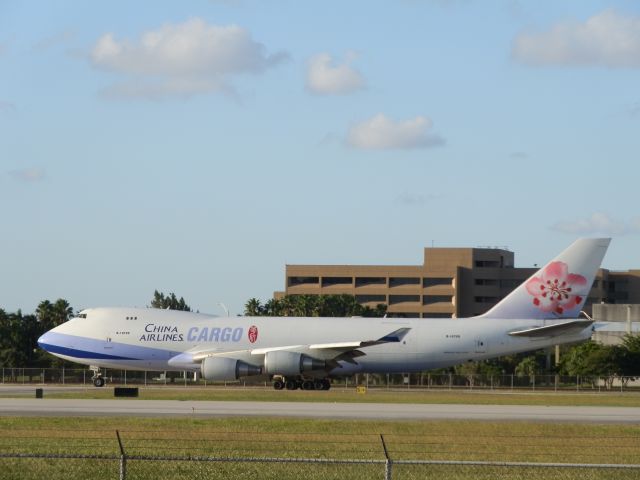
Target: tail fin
560 288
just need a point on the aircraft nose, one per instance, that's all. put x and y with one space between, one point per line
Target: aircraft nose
44 342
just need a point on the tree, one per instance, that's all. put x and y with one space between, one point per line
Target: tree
629 357
170 302
591 359
312 306
528 367
253 308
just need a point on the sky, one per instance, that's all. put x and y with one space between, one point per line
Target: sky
198 147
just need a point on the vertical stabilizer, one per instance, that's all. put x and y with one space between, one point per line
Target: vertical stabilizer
560 288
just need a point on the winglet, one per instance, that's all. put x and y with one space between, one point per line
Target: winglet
395 336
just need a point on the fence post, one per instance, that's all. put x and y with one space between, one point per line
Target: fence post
123 458
388 462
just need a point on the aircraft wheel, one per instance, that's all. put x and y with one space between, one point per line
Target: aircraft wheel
307 385
98 382
291 385
278 385
318 385
326 384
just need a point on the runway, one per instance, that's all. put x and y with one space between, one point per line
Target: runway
317 410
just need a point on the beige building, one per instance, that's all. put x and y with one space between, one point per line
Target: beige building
626 318
451 282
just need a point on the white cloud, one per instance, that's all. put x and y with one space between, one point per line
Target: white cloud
28 175
325 77
606 39
182 59
380 132
598 223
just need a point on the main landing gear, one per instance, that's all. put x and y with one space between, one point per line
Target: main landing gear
98 379
281 383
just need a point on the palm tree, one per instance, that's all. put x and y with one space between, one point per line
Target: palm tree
62 311
253 308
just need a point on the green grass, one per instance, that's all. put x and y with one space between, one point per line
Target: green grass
372 396
320 439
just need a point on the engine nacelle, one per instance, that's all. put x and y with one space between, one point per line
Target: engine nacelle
290 363
227 369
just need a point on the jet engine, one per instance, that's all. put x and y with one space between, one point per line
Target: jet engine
221 368
290 363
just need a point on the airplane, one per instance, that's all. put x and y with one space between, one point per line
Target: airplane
305 352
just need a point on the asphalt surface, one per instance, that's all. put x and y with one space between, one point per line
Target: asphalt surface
371 411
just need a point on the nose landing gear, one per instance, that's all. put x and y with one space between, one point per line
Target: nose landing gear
97 379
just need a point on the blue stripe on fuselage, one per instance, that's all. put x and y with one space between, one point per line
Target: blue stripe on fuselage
72 352
89 348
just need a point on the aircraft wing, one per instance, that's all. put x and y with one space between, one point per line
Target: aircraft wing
334 351
553 329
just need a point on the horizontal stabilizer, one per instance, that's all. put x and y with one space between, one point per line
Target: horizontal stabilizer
554 329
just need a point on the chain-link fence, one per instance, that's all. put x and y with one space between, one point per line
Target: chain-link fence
29 454
422 381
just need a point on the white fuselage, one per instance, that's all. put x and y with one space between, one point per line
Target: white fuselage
147 339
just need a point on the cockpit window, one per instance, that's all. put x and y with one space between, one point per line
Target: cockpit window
82 315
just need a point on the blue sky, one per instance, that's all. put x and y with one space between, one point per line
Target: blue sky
198 147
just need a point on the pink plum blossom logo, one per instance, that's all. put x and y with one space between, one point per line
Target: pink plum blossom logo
556 290
253 334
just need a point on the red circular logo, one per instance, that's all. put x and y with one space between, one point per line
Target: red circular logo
253 333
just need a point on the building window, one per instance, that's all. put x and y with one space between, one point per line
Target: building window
295 281
487 282
403 281
395 299
487 263
364 281
430 299
404 315
437 315
330 281
485 299
371 298
437 281
511 284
